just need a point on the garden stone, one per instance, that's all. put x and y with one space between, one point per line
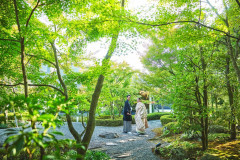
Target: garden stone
109 135
111 144
165 144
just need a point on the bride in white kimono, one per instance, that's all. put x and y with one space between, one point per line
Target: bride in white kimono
141 117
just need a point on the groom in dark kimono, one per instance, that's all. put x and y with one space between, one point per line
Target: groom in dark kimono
127 117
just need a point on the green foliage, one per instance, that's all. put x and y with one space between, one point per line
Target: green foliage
218 137
217 129
96 155
178 150
178 153
165 119
172 128
156 115
11 117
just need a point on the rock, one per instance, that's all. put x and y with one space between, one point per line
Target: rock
165 144
111 144
124 155
109 135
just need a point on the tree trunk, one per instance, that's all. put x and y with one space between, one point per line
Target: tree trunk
91 121
233 58
205 100
68 117
231 101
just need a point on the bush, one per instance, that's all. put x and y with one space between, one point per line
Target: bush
109 122
96 155
172 127
178 153
156 115
217 129
104 117
166 119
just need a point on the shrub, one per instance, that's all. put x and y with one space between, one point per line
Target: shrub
96 155
172 127
109 122
104 117
178 153
217 129
166 119
156 115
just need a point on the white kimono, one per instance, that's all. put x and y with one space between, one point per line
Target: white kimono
140 117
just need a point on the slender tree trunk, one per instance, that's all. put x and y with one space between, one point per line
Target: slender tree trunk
233 58
24 68
91 121
231 101
205 98
68 117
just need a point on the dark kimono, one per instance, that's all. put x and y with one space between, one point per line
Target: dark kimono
127 119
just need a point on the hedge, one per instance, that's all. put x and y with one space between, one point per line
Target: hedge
109 122
156 115
167 119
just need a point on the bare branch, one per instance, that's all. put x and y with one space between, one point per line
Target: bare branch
34 85
16 13
45 4
10 40
28 61
32 13
168 23
200 11
42 59
215 10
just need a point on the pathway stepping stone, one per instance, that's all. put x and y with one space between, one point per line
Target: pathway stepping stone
111 144
109 135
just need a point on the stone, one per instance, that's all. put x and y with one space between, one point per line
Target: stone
124 155
109 135
111 144
165 144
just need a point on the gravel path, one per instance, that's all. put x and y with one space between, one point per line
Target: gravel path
126 146
130 146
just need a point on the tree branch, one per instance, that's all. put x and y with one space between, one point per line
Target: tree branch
215 10
34 85
42 59
200 11
9 40
32 13
238 2
16 13
164 24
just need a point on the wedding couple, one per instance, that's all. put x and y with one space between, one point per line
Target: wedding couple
140 117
